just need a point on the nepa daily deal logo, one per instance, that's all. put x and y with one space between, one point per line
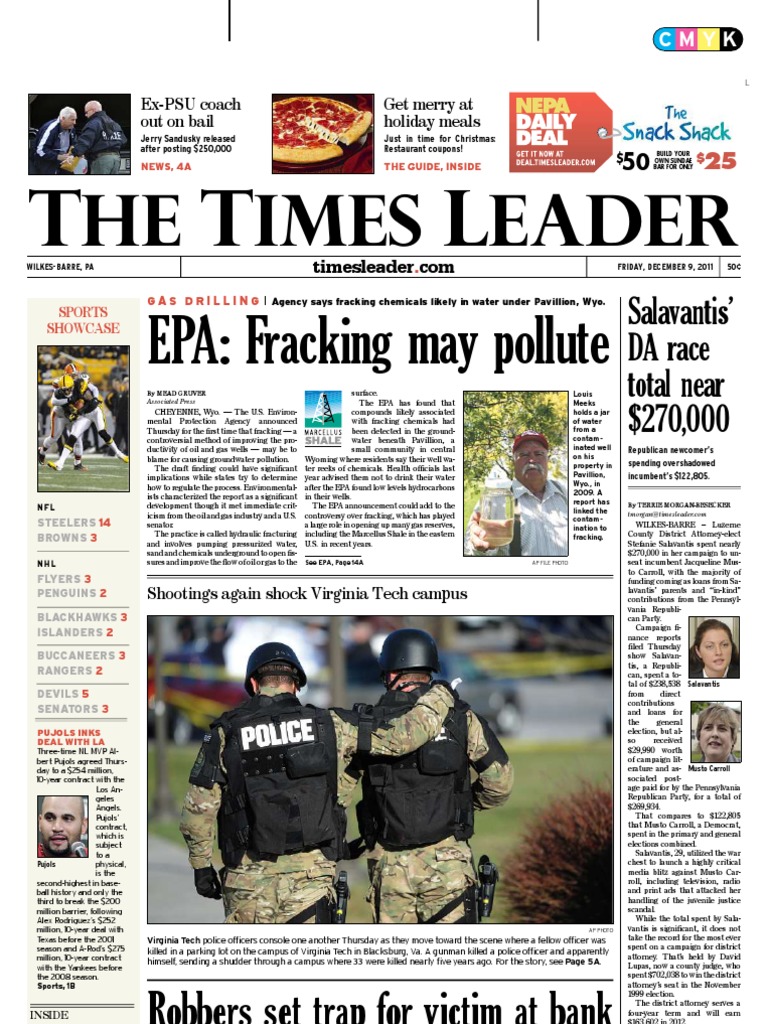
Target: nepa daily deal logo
558 131
322 418
698 40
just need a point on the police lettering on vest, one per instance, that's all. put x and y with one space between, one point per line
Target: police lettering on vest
279 794
277 735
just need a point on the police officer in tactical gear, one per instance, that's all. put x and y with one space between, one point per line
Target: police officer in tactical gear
417 811
271 777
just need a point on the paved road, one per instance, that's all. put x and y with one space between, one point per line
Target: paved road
171 893
576 710
173 900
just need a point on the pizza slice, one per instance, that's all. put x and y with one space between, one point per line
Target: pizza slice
310 129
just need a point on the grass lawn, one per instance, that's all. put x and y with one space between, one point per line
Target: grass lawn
543 772
100 473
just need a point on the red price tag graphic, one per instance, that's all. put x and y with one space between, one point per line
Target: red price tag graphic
559 132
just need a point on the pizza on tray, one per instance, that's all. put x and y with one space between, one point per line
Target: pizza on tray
309 129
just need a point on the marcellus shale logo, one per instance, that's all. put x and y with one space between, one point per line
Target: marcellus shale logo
698 40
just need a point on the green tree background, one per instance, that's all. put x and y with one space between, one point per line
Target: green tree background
491 421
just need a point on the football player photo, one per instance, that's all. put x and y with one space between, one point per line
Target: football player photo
83 403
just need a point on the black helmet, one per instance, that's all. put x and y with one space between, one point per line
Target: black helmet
409 649
265 654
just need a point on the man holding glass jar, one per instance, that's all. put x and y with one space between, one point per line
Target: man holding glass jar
541 519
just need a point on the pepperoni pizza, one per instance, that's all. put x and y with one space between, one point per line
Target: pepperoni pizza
309 129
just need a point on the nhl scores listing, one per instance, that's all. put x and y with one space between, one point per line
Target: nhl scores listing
470 353
83 650
165 997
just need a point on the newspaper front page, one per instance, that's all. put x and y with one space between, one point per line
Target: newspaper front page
452 380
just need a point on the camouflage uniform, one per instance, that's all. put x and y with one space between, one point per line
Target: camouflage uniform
414 884
275 890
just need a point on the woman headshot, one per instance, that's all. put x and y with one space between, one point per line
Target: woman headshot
713 653
717 734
